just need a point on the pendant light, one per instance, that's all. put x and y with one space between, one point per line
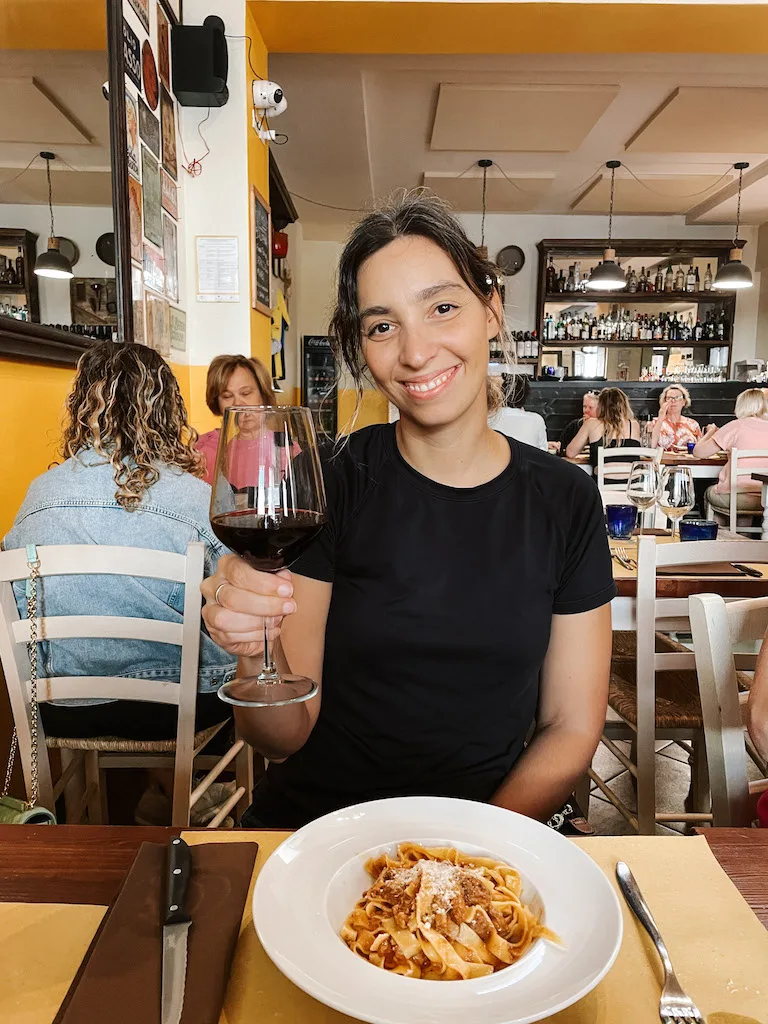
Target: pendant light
483 248
734 274
608 275
52 263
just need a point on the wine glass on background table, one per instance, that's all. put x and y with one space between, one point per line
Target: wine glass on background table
643 486
267 504
676 495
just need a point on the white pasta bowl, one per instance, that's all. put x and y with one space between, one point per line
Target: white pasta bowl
312 881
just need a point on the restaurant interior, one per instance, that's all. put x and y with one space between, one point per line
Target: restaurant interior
192 192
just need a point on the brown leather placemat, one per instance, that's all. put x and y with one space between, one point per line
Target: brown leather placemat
120 973
703 569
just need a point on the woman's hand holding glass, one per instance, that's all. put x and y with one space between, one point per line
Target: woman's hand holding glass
238 601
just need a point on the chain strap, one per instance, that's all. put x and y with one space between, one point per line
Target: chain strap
34 573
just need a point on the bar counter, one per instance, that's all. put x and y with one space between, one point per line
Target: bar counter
559 402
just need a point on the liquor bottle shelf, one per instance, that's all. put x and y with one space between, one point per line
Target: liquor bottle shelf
580 342
627 298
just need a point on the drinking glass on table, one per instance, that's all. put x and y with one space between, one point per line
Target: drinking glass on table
676 495
267 504
643 486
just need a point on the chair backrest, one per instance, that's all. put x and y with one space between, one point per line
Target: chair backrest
740 467
666 614
717 627
622 459
80 559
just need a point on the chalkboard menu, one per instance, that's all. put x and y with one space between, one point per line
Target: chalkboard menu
261 253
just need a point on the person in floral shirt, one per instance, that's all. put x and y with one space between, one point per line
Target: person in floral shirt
672 430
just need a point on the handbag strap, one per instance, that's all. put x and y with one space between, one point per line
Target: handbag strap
33 564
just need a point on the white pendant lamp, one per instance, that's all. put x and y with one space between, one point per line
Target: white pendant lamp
52 263
608 275
734 274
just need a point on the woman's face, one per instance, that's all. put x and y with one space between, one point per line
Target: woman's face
425 334
241 389
675 401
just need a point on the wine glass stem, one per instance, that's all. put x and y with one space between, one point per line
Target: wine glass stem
642 518
269 673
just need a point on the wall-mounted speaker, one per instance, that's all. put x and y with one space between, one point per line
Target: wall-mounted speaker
200 63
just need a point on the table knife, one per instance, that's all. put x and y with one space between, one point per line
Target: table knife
747 570
176 922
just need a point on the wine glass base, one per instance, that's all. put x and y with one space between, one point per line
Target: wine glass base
251 693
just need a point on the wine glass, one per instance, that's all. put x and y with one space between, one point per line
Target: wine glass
643 486
676 495
267 504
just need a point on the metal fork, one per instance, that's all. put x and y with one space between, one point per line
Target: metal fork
675 1004
626 558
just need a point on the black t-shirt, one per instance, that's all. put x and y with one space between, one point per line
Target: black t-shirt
568 434
438 624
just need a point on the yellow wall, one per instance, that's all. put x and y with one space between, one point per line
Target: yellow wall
258 176
53 24
31 403
374 408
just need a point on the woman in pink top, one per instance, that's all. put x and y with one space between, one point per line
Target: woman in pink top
672 430
748 431
234 381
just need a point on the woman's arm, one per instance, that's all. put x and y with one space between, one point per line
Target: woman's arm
573 698
757 707
656 432
707 446
298 607
575 446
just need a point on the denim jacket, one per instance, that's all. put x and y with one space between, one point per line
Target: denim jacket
74 503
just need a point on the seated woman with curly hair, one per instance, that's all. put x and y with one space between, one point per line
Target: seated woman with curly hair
130 478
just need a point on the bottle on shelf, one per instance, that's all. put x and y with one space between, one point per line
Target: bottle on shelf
534 345
632 281
659 282
697 281
570 284
690 280
561 282
20 276
551 276
708 278
680 280
642 281
669 280
577 276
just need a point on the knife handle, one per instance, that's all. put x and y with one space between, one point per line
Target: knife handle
747 569
179 870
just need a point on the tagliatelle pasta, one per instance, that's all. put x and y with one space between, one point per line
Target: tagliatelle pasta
442 915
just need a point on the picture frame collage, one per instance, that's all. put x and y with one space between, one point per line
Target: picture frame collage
153 173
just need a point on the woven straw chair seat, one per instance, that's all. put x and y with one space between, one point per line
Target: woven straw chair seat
116 745
625 649
677 697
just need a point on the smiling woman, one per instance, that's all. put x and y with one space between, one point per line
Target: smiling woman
427 685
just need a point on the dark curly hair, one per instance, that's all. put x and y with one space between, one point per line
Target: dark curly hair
127 406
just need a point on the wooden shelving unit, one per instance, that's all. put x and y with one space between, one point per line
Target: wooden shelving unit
634 252
11 240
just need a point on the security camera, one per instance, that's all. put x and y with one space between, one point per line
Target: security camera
105 91
269 97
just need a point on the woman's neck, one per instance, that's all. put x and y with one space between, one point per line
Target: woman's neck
674 417
465 453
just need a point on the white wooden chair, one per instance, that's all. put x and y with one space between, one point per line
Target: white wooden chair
717 627
102 752
614 476
667 707
738 468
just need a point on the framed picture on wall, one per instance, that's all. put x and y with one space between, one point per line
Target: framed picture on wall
135 218
171 258
158 324
132 131
142 12
163 48
137 294
154 269
153 222
174 10
168 126
149 128
178 331
261 253
169 194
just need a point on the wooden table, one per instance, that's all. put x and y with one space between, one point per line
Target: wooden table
763 479
87 864
708 469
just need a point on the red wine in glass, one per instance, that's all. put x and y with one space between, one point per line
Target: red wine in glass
267 505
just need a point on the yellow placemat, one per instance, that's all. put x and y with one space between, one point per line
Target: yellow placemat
718 946
41 946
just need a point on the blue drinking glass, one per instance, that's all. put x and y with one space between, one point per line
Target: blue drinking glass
698 529
621 520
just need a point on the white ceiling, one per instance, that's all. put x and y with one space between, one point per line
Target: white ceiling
52 100
361 126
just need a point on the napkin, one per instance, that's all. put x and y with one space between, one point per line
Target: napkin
121 973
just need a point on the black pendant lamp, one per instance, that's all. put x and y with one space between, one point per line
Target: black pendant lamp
734 274
52 263
608 275
483 248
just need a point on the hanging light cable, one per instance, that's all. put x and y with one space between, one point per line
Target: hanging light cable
52 263
482 248
608 275
734 274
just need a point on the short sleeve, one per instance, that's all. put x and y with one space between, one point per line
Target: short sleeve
586 580
542 432
727 436
318 561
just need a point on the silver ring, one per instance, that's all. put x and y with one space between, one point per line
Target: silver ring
216 595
